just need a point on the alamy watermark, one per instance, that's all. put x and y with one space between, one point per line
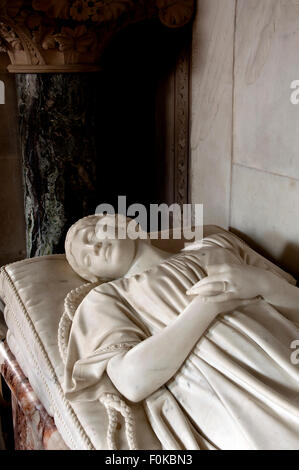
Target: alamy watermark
158 221
294 98
295 354
2 92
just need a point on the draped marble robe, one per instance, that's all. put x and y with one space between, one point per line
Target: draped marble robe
237 389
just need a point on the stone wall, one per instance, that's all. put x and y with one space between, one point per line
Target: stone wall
245 139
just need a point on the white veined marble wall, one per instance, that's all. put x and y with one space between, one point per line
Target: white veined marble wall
211 110
245 130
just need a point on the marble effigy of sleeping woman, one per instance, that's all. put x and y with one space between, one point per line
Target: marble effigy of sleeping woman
196 345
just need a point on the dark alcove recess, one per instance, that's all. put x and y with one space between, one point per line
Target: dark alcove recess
143 122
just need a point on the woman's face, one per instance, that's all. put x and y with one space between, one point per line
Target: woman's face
104 258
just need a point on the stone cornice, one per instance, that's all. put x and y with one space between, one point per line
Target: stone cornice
44 36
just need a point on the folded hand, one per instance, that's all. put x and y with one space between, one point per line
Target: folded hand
230 282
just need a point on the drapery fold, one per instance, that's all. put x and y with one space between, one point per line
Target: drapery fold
236 390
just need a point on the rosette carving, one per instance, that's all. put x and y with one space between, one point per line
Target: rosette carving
70 35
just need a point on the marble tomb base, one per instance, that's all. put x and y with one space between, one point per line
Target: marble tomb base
34 429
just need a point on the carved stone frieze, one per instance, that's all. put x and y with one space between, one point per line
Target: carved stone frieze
182 127
70 35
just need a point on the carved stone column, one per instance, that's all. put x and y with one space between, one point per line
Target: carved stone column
57 135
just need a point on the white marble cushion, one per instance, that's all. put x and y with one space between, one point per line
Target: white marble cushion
34 291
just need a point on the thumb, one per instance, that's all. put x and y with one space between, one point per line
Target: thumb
206 289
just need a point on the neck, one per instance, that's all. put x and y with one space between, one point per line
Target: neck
146 257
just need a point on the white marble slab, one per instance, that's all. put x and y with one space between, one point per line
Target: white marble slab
211 134
266 123
265 207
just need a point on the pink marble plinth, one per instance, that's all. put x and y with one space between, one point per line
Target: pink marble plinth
34 429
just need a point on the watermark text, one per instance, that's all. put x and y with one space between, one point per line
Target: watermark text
295 353
2 92
157 221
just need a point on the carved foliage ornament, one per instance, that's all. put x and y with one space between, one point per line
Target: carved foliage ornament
69 35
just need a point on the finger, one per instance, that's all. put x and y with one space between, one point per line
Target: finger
224 297
230 301
209 279
212 288
243 303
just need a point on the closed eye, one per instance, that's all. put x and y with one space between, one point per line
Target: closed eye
90 236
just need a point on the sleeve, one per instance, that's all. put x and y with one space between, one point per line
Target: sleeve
104 326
